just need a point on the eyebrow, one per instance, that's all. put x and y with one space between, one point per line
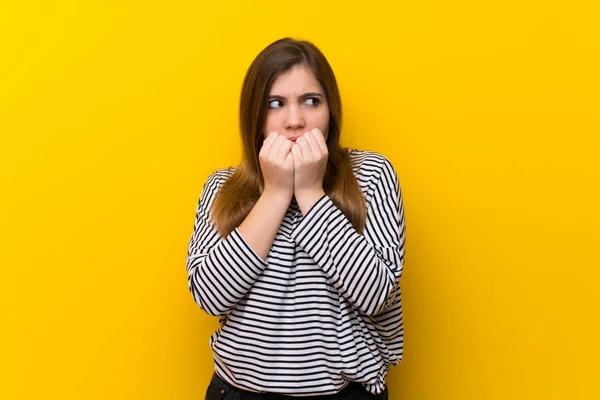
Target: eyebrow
304 95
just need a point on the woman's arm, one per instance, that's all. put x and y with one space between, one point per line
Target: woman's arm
262 223
221 271
366 268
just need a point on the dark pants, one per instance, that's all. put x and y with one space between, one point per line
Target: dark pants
219 389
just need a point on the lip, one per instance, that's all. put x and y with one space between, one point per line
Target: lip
293 138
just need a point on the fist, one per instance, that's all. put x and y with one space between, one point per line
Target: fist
277 165
309 154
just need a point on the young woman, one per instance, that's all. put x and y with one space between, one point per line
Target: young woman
299 249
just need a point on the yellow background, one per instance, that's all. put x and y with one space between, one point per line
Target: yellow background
113 114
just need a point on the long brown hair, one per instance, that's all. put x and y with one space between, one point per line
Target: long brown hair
241 191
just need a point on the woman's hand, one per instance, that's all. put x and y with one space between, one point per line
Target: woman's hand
310 161
277 165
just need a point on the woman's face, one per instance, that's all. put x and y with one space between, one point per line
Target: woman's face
297 105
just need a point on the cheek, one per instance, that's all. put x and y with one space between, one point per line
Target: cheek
266 129
319 120
325 122
271 124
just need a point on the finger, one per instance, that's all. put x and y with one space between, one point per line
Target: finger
304 147
268 142
279 141
311 141
297 154
320 140
271 138
284 148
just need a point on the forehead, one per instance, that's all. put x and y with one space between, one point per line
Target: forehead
300 79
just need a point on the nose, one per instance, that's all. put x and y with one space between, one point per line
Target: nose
294 118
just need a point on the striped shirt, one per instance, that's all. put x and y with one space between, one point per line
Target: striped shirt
324 308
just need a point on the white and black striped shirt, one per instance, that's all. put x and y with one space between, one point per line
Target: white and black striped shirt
324 308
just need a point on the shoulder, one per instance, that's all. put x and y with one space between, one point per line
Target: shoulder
213 183
370 167
219 176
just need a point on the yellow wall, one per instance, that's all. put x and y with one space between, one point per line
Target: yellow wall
113 114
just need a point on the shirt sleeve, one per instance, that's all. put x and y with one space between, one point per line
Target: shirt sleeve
220 270
366 268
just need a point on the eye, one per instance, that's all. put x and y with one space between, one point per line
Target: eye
275 104
313 101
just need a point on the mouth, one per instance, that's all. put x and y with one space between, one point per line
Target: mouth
293 138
